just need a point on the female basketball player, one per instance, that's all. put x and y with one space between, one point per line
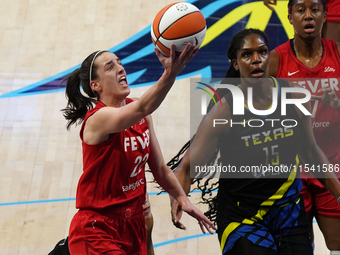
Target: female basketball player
118 139
331 28
317 61
261 212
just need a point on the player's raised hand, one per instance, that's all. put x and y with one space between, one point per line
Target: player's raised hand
327 96
176 63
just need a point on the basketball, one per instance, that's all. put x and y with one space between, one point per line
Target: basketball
178 23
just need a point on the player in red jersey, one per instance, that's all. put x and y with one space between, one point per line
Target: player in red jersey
314 63
118 139
331 28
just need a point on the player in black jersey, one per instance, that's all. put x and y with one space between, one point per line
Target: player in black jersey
256 214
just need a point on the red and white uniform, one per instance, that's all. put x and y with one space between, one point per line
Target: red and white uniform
111 192
325 119
114 170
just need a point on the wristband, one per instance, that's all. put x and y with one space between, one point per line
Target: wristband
338 199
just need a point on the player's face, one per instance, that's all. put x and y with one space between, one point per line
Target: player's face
252 58
112 76
307 18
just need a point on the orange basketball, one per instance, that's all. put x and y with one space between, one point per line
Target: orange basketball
178 23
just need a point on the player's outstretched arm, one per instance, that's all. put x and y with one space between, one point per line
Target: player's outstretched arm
200 152
102 123
167 179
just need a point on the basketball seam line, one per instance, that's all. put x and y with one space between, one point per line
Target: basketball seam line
161 34
186 35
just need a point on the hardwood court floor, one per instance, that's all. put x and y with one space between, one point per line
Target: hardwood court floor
40 160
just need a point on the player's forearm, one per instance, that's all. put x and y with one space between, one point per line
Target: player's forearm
184 180
154 96
182 173
171 184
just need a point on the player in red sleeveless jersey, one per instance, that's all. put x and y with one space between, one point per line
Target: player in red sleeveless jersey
118 139
331 28
314 63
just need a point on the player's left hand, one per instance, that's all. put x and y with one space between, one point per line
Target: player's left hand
203 221
176 214
328 97
174 64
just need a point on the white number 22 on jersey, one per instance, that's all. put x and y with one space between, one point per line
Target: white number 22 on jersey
139 161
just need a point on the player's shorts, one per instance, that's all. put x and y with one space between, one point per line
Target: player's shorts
318 199
120 232
283 230
333 11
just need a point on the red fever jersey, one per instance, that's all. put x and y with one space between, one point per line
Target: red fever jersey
325 119
114 170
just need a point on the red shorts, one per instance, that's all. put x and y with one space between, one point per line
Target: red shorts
333 11
120 232
318 199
